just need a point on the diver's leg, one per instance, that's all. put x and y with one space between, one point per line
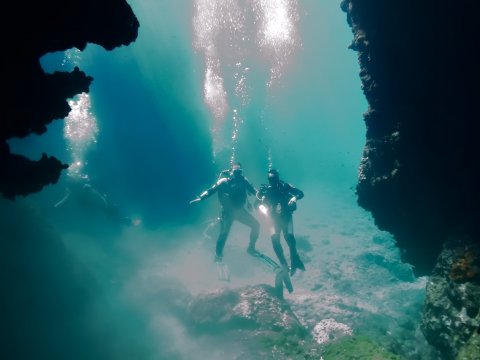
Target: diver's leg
296 262
277 247
225 226
244 217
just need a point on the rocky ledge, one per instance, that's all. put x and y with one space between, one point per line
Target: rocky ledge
33 99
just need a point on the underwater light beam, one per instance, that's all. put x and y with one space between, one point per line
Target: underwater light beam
80 131
229 33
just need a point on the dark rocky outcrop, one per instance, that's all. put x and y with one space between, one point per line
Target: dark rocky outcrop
33 99
452 308
420 77
418 174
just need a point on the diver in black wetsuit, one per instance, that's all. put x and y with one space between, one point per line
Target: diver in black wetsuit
280 199
232 195
93 202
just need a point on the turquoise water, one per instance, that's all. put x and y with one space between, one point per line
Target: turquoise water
261 82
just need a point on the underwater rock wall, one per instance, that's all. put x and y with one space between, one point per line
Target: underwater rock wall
451 319
32 99
418 174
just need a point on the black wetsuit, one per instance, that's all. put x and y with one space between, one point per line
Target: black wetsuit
276 197
232 195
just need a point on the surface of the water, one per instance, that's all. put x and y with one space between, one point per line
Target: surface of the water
262 82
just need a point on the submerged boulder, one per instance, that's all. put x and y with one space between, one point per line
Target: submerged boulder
251 307
254 321
451 317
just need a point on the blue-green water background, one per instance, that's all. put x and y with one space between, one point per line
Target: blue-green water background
154 148
155 151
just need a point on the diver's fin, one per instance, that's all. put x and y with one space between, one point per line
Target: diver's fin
267 260
222 271
282 274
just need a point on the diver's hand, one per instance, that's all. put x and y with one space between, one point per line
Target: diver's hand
292 201
197 199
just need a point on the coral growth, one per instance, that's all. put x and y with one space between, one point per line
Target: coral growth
465 267
357 347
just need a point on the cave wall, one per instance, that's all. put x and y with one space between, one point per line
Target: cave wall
32 99
451 315
418 174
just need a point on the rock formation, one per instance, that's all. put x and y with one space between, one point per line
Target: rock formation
257 318
451 318
33 99
418 174
419 75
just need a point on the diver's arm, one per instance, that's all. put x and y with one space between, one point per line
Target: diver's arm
202 196
250 188
298 194
197 199
212 190
295 193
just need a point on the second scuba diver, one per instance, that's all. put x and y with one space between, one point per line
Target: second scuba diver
233 192
280 198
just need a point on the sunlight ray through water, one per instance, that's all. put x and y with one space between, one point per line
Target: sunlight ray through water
231 35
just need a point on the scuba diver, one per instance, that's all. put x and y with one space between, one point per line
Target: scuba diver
213 224
233 191
93 202
280 199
